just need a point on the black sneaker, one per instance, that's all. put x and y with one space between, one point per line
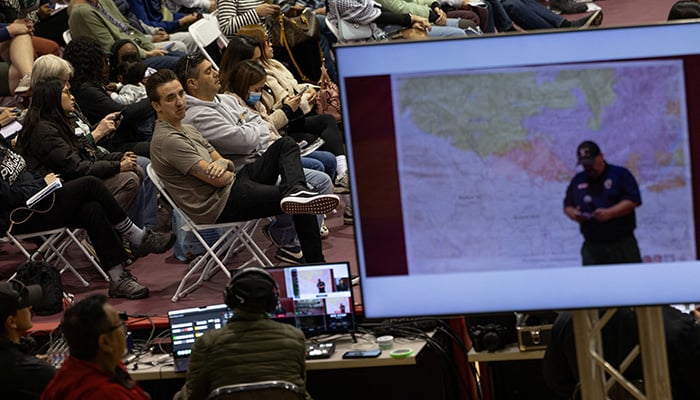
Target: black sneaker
568 6
306 202
127 286
290 255
594 19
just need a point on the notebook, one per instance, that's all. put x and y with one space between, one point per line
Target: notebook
186 325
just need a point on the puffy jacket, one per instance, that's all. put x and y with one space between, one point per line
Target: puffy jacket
249 348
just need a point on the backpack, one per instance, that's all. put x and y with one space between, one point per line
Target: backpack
43 274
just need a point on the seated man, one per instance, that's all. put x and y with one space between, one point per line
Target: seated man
208 188
250 347
23 375
96 338
241 135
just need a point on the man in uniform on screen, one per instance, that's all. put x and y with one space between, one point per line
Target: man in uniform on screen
602 200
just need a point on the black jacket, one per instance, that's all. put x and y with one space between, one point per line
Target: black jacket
23 375
17 184
46 150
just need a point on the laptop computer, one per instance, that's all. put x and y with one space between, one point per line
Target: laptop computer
186 325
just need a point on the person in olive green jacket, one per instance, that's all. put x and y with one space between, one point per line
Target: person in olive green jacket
250 347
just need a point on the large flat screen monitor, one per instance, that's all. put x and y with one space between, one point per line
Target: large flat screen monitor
461 152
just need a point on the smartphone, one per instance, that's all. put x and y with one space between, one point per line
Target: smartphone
118 116
362 354
304 89
169 47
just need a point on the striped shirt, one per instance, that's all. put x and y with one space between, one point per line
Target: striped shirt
233 14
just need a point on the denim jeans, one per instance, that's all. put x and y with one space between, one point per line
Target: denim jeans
144 210
529 14
320 160
447 31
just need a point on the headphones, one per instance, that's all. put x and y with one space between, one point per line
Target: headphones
238 292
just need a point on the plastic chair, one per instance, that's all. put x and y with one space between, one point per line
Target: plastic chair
206 34
266 390
236 236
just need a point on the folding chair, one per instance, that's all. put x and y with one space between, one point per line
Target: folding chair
67 36
209 39
236 236
55 243
266 390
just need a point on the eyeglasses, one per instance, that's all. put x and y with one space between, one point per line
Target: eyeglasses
121 325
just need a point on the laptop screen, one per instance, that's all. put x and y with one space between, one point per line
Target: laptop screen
186 325
315 298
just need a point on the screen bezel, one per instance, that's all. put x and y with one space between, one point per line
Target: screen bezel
387 295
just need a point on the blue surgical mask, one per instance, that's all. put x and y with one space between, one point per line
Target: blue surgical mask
254 97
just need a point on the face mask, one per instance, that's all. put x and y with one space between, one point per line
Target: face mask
254 97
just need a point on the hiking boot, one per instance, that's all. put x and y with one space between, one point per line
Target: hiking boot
568 6
595 19
306 202
342 184
154 242
127 286
347 216
290 255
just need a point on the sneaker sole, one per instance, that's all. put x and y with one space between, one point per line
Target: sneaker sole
321 204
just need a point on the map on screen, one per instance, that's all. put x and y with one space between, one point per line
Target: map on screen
484 159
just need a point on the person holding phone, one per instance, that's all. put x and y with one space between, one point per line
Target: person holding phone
602 199
49 144
291 104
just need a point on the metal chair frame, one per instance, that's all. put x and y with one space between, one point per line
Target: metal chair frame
237 235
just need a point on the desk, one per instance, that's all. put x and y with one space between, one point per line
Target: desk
419 376
511 374
510 353
165 369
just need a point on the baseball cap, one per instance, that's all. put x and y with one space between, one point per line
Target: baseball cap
587 152
14 295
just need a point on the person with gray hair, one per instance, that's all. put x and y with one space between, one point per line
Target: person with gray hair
144 209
